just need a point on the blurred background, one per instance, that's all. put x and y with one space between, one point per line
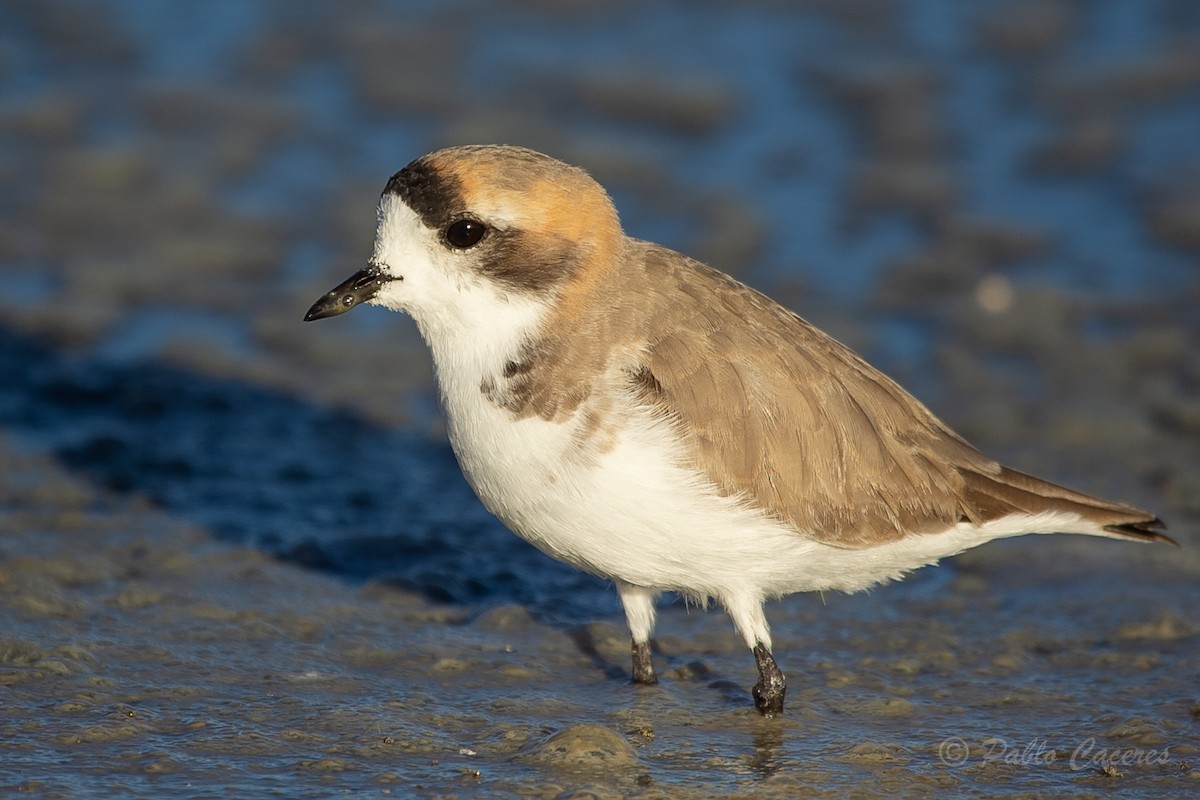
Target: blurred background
998 202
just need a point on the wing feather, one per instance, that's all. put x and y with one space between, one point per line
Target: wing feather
777 412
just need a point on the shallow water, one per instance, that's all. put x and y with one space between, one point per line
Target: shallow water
236 554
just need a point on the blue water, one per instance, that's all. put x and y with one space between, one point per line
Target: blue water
765 57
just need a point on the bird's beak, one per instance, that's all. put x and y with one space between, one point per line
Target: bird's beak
358 288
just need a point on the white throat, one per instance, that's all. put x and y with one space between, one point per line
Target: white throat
473 327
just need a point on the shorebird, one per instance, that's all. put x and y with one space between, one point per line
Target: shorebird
651 420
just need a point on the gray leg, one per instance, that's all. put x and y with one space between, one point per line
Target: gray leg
771 686
747 614
643 665
639 611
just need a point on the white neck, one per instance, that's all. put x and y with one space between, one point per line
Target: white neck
484 332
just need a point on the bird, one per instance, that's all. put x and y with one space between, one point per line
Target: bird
653 421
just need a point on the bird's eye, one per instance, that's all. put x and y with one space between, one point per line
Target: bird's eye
465 233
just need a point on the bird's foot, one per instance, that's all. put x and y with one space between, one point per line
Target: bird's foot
771 687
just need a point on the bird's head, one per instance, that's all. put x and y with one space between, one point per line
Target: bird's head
467 230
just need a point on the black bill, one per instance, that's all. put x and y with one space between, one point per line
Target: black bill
358 288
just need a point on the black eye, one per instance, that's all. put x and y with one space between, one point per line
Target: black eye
465 233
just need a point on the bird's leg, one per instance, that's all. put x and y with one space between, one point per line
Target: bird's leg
643 665
746 611
639 612
771 686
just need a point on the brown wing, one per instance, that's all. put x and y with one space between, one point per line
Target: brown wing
781 413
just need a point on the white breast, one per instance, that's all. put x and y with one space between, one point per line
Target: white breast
637 512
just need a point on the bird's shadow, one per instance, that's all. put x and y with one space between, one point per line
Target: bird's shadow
314 486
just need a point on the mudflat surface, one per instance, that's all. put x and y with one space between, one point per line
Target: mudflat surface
237 557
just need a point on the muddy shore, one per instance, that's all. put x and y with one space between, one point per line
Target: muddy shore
237 557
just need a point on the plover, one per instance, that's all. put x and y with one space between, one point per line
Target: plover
649 419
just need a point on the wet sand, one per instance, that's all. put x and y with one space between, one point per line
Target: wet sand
237 558
143 657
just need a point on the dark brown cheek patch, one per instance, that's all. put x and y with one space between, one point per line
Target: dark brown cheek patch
529 263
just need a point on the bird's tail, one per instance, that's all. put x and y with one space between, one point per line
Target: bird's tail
992 495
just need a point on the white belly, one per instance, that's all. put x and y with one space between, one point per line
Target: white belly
635 514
